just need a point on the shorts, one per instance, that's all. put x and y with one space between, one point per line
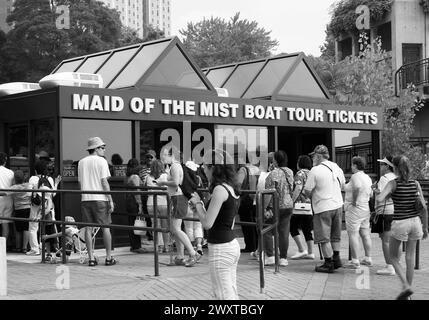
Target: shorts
22 225
407 229
356 219
6 208
95 212
179 207
327 226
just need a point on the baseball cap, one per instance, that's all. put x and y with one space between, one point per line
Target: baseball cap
384 160
320 149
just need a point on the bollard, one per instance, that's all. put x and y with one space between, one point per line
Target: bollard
3 267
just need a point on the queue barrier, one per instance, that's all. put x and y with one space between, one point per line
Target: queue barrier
63 223
262 228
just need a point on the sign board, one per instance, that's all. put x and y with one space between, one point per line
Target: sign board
119 170
159 106
70 171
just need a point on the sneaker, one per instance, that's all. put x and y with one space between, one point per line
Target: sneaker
48 258
327 267
269 261
192 261
299 255
179 261
352 265
33 253
310 256
283 262
337 263
387 271
200 250
366 262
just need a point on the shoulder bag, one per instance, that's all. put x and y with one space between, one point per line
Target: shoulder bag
302 207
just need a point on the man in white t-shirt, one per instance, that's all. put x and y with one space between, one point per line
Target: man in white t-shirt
324 184
93 172
6 202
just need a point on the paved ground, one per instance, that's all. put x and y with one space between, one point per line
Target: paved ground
133 278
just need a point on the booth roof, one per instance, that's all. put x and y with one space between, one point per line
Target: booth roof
161 63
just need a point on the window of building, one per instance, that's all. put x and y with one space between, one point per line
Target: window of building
345 48
384 31
350 143
241 78
116 134
69 66
92 64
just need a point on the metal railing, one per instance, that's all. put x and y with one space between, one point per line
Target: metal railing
43 221
416 73
262 228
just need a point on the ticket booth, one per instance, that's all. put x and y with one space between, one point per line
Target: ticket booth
153 93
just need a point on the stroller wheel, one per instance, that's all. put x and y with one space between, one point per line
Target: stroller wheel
82 260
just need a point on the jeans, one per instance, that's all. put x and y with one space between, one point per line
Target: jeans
283 230
247 213
32 229
223 261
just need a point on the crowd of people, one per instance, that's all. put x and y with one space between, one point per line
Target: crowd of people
311 202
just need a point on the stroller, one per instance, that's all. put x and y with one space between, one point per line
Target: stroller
74 242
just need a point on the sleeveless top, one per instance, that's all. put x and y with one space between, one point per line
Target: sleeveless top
404 200
222 229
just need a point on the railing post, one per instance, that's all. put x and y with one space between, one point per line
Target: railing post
42 226
260 214
3 267
276 231
155 233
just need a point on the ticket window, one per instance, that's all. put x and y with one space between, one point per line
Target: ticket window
18 148
350 143
75 134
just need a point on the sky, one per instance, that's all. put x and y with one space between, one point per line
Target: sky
296 25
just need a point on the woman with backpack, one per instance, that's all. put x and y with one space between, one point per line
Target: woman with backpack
41 179
281 179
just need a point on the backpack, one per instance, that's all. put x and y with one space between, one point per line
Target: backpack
190 182
36 199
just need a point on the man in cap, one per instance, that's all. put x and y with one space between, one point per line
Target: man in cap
324 184
93 172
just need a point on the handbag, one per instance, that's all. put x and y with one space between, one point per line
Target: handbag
303 208
418 204
139 222
377 221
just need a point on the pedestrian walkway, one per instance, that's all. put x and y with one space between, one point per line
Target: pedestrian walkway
133 278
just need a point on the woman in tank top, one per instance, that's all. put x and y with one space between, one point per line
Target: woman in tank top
407 222
219 219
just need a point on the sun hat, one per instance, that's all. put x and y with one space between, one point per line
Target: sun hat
94 143
384 160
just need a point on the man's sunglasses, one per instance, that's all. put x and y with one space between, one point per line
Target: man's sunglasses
102 147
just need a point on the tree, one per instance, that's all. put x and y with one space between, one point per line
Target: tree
35 45
366 80
152 33
214 41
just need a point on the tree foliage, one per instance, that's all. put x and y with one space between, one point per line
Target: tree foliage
35 45
215 41
343 16
366 80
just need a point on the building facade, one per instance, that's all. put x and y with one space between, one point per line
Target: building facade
404 33
136 14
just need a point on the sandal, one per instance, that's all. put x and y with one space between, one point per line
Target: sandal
404 295
92 263
110 262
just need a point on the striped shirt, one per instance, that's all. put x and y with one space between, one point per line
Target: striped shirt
404 200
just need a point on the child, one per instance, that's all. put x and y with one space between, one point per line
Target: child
70 231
